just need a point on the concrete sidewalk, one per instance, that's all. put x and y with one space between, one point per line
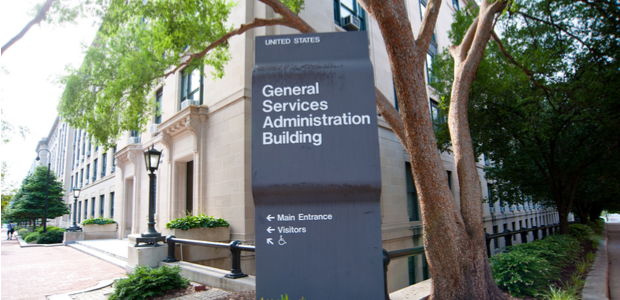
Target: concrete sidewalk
613 253
36 272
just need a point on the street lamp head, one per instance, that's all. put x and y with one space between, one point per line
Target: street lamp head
151 159
38 158
76 192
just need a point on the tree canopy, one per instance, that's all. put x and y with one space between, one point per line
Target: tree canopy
29 201
544 103
140 43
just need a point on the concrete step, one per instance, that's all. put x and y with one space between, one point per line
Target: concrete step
101 254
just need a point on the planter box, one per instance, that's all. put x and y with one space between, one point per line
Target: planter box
99 232
192 253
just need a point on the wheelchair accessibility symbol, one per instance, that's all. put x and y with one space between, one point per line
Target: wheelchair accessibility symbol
281 241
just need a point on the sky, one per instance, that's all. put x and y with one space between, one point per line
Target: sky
29 95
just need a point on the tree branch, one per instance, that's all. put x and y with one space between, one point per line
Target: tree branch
427 29
242 29
391 116
37 19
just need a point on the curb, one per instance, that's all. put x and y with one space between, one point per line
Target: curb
597 281
23 244
67 296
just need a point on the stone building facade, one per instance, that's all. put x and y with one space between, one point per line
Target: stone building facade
204 129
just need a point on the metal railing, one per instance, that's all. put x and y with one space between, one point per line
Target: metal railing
507 235
235 248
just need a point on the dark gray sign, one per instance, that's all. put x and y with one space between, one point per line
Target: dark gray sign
315 168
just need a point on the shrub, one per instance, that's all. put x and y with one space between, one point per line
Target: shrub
520 273
558 250
199 221
597 225
98 221
51 237
51 228
146 282
30 237
558 294
22 231
580 231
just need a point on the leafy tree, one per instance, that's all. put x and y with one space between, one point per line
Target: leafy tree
141 42
544 102
30 200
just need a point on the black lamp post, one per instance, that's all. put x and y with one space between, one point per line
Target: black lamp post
151 236
47 190
76 194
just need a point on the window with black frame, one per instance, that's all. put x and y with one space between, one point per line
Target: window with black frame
455 4
430 76
158 103
349 15
191 86
437 116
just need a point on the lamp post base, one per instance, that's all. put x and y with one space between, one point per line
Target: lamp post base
152 241
73 229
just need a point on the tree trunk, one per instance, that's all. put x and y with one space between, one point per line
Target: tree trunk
454 240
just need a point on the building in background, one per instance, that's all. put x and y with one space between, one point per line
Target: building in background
204 128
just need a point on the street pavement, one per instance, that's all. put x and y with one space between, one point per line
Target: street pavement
36 272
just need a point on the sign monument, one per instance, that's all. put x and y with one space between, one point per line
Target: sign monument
316 176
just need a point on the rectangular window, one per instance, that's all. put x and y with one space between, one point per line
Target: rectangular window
87 172
79 212
495 243
346 14
189 199
490 198
411 265
101 205
514 237
85 209
113 160
412 195
158 103
92 208
425 274
95 169
112 205
104 162
81 177
455 4
437 116
191 85
449 179
430 76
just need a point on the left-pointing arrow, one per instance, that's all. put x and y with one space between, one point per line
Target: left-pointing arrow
270 230
269 241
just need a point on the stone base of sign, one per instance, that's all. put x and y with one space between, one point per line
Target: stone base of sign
71 237
417 291
214 277
248 263
144 255
192 253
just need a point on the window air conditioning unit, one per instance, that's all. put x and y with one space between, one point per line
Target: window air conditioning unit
102 174
113 169
189 102
86 182
154 128
88 153
492 209
512 208
134 140
503 209
351 23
